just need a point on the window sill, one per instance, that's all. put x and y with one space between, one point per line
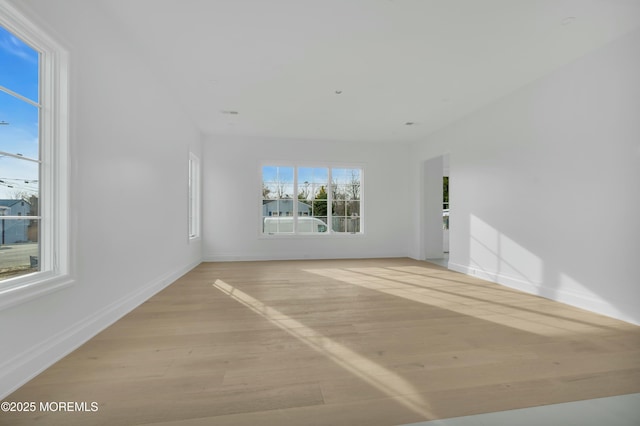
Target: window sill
311 236
26 290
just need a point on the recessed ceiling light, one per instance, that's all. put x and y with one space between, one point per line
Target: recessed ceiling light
230 112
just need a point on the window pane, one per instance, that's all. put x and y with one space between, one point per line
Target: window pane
275 191
268 207
322 227
319 208
338 224
312 224
19 249
319 192
346 216
269 191
269 174
19 186
19 129
286 207
313 175
285 175
339 176
279 190
339 192
305 208
285 190
19 207
353 224
352 208
346 224
20 64
352 192
305 191
346 176
277 225
277 182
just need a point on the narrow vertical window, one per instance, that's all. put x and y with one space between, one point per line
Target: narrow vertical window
194 196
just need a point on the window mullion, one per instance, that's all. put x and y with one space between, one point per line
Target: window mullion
20 157
19 96
21 217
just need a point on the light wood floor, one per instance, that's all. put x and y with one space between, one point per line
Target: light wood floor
342 342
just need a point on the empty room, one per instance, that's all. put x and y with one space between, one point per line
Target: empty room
303 212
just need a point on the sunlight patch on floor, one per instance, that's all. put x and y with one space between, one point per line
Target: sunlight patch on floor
373 374
468 296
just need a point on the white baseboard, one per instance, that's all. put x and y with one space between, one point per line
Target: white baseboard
505 280
568 297
18 370
244 257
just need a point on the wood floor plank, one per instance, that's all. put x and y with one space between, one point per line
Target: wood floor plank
331 342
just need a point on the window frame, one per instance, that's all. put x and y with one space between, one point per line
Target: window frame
330 232
54 247
195 195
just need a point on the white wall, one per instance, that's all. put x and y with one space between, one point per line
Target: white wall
232 206
545 184
129 230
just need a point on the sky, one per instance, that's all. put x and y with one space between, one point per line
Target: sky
282 177
319 175
19 64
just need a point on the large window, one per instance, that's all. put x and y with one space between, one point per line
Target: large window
19 156
33 159
311 200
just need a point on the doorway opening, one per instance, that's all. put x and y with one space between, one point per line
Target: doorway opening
436 222
445 215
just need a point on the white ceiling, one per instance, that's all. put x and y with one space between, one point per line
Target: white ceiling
279 63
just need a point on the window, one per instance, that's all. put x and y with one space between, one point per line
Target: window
33 160
194 196
19 155
311 200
